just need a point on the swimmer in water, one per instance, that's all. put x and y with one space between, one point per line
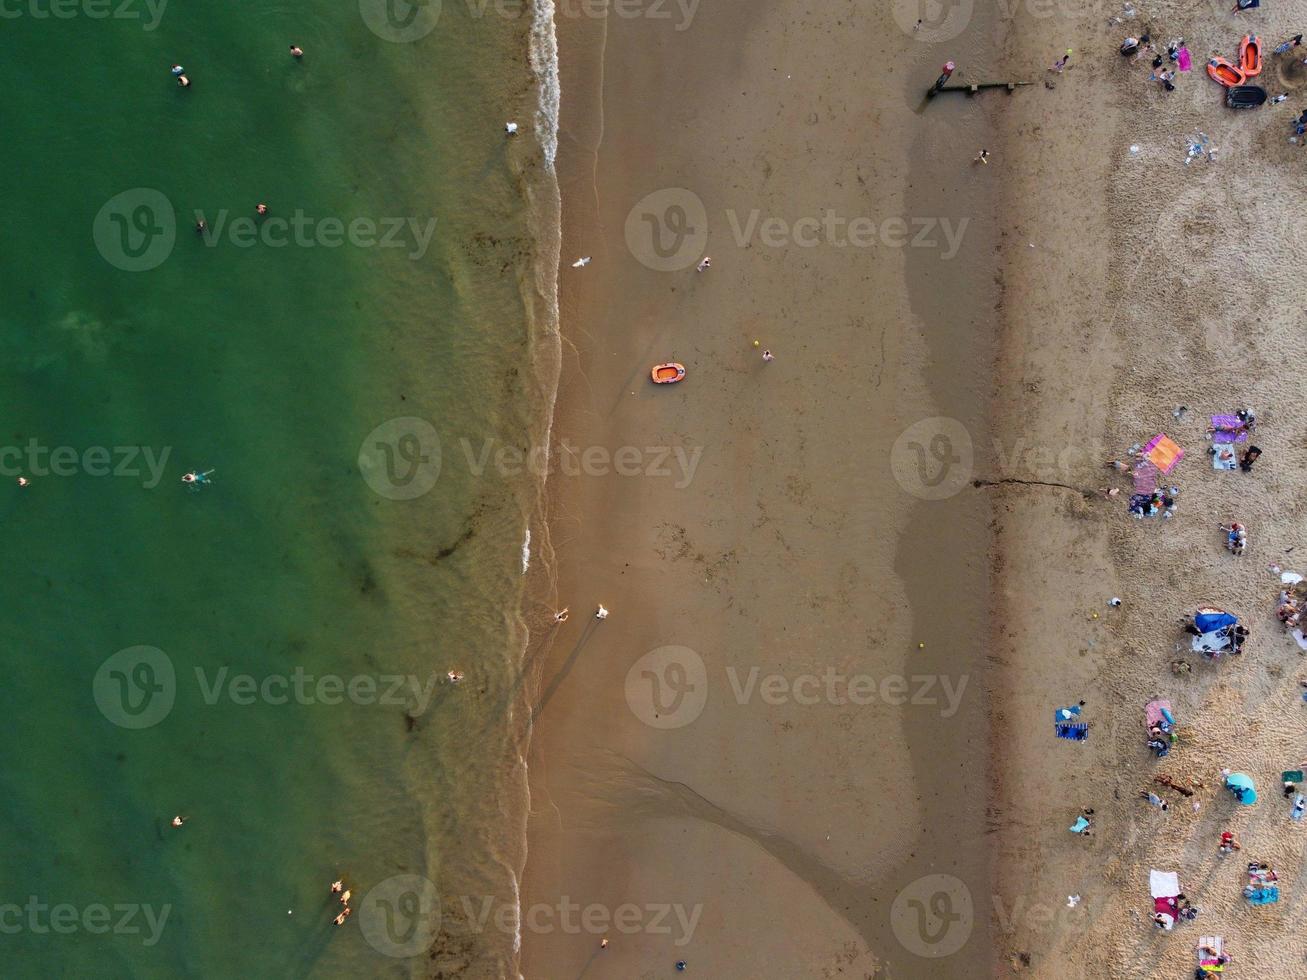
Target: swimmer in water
337 886
178 821
177 69
183 81
24 481
260 209
194 480
340 919
201 226
454 676
296 52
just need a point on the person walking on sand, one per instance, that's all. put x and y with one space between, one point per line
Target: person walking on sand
948 72
1060 65
705 263
768 356
982 157
1284 47
561 615
601 612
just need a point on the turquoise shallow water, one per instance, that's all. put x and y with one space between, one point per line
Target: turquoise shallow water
269 364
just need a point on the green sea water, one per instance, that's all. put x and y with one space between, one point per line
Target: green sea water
323 546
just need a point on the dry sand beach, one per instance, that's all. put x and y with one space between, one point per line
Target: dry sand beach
906 496
1185 299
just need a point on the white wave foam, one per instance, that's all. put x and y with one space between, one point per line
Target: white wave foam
544 62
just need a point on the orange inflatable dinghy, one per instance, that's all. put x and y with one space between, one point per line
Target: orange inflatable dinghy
1250 55
1227 74
667 374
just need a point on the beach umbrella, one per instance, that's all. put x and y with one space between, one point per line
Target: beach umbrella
1241 785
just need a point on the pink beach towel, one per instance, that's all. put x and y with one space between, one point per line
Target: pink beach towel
1182 57
1145 476
1163 452
1153 711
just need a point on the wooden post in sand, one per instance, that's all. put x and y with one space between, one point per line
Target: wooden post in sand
974 87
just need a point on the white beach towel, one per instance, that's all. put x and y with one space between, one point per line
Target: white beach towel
1228 463
1213 642
1163 884
1290 578
1212 941
1302 640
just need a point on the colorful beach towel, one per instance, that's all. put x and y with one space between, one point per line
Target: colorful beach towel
1228 429
1145 477
1184 59
1159 713
1075 733
1163 452
1206 961
1268 895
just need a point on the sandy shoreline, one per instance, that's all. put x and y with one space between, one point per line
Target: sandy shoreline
771 824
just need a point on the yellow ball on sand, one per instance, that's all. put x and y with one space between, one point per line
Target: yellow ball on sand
921 646
1095 615
757 344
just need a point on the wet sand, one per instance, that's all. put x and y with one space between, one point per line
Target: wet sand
823 746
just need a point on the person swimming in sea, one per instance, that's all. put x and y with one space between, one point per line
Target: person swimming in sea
195 479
